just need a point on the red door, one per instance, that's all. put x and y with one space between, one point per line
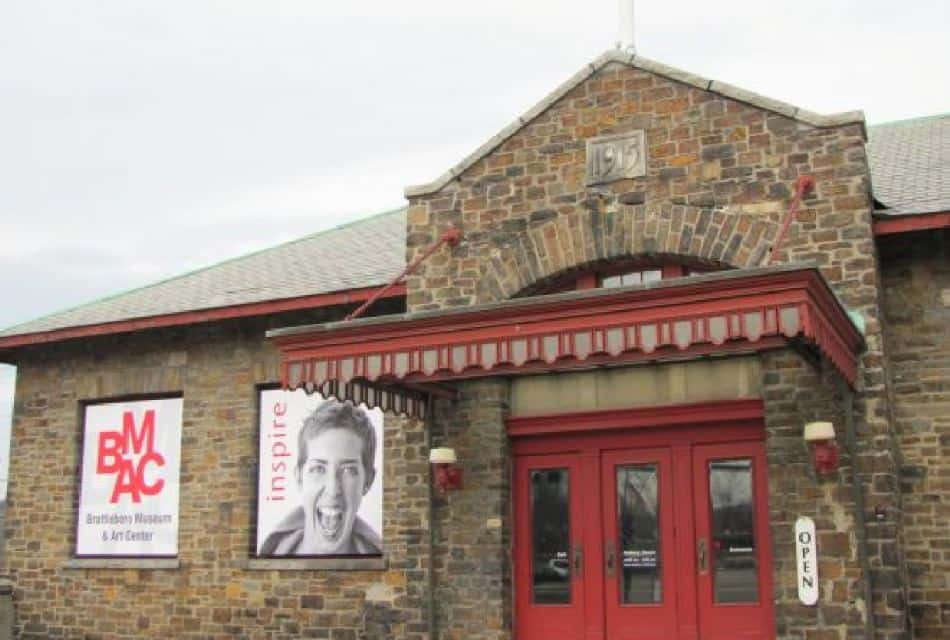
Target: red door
734 592
640 563
548 514
642 535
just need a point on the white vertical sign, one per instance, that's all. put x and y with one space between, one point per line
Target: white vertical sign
128 501
328 498
806 558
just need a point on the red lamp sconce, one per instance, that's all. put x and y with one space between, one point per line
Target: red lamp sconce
820 437
447 475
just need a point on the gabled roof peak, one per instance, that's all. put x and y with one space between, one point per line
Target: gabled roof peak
645 64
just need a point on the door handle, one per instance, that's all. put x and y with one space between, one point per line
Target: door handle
702 556
578 559
610 557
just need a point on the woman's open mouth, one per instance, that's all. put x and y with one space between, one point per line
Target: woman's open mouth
329 521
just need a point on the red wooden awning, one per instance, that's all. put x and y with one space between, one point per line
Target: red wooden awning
388 361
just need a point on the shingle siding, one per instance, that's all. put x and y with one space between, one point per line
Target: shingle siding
910 165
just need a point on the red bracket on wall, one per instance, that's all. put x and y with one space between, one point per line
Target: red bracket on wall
803 185
451 237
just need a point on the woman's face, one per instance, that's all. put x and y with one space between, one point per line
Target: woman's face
332 483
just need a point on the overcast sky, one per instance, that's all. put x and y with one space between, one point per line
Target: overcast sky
140 139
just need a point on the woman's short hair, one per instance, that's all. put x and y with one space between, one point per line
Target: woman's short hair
334 414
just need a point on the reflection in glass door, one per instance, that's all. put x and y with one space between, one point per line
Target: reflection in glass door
638 534
550 536
732 531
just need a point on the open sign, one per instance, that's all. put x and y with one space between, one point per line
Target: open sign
806 552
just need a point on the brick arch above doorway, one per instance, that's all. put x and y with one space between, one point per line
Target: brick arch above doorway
558 243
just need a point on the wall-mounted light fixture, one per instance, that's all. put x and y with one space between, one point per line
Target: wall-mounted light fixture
820 437
447 475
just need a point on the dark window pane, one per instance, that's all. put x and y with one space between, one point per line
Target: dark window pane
550 536
735 574
639 531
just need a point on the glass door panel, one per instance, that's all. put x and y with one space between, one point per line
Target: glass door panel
732 536
550 536
638 523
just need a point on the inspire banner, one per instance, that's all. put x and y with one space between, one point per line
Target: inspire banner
320 485
128 502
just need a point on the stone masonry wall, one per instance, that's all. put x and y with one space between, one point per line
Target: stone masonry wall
473 525
916 276
719 177
212 594
795 392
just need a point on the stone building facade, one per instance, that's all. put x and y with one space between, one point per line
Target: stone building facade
915 277
540 232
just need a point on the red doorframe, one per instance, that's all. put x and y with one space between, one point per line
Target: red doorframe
679 428
748 412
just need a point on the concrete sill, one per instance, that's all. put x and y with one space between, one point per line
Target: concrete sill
315 564
122 563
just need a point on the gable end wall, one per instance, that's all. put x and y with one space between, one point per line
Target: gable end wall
720 175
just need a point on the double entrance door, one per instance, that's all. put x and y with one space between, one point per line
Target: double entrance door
653 534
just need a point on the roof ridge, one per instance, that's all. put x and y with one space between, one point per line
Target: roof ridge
197 270
637 61
933 116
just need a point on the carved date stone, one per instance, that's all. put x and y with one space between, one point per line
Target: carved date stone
616 157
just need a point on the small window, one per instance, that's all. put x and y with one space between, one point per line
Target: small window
612 276
633 277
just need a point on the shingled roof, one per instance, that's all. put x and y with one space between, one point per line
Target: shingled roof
910 165
373 250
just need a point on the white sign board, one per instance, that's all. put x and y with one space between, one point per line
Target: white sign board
806 554
320 480
128 497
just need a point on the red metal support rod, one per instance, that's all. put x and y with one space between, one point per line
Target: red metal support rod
451 237
802 186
